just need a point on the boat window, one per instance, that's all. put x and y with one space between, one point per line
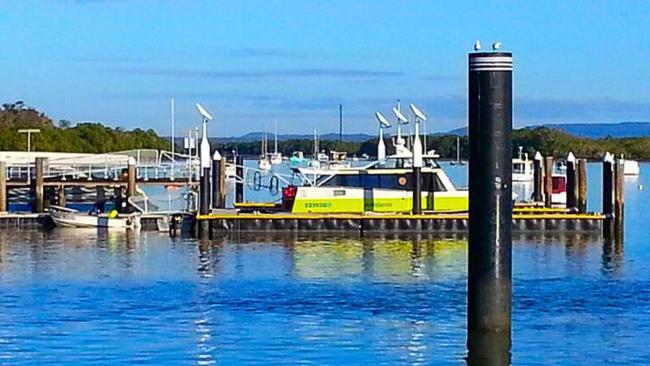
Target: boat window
342 181
392 181
518 168
370 181
430 182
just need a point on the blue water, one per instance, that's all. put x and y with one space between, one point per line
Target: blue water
88 297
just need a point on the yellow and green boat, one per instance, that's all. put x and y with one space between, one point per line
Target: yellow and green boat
381 186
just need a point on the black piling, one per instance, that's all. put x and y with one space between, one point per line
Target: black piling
619 203
538 178
204 202
571 182
216 180
490 195
582 185
608 195
417 190
548 181
239 180
204 192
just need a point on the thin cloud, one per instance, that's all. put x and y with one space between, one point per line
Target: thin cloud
261 52
260 74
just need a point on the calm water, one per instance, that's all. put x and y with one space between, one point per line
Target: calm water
84 297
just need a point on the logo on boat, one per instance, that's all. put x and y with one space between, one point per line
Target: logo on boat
402 181
318 205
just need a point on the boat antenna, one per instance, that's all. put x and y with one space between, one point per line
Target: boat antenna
340 124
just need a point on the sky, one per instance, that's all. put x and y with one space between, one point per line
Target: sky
255 64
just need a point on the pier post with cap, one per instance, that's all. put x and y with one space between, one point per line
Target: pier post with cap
131 175
417 171
582 185
548 181
489 280
39 196
608 194
571 182
538 177
217 186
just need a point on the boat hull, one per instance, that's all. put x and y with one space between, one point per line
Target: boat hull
81 220
358 200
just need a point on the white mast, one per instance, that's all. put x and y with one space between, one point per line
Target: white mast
276 138
381 147
173 127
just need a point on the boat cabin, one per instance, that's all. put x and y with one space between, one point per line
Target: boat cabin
381 186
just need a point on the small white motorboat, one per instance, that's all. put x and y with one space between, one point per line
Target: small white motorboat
631 167
67 217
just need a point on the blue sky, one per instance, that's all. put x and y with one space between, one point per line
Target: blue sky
252 63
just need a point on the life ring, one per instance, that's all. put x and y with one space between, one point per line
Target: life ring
274 185
257 181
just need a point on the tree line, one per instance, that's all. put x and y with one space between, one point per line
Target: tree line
549 142
90 137
95 137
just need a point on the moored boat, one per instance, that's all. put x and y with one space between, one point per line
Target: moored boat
522 168
66 217
631 167
381 186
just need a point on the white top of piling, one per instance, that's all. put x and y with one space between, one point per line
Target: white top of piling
216 156
131 161
571 157
538 156
609 158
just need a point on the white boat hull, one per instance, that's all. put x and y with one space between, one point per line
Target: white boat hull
82 220
631 167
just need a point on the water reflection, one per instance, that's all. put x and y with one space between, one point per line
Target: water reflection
318 299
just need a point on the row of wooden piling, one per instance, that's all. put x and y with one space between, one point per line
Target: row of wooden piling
613 201
37 184
576 192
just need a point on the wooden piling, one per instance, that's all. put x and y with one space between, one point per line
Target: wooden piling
39 196
571 182
60 192
538 178
3 186
130 178
548 181
582 185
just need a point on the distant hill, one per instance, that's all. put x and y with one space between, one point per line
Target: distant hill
257 136
590 130
602 130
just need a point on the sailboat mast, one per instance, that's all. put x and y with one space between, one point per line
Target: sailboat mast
276 138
